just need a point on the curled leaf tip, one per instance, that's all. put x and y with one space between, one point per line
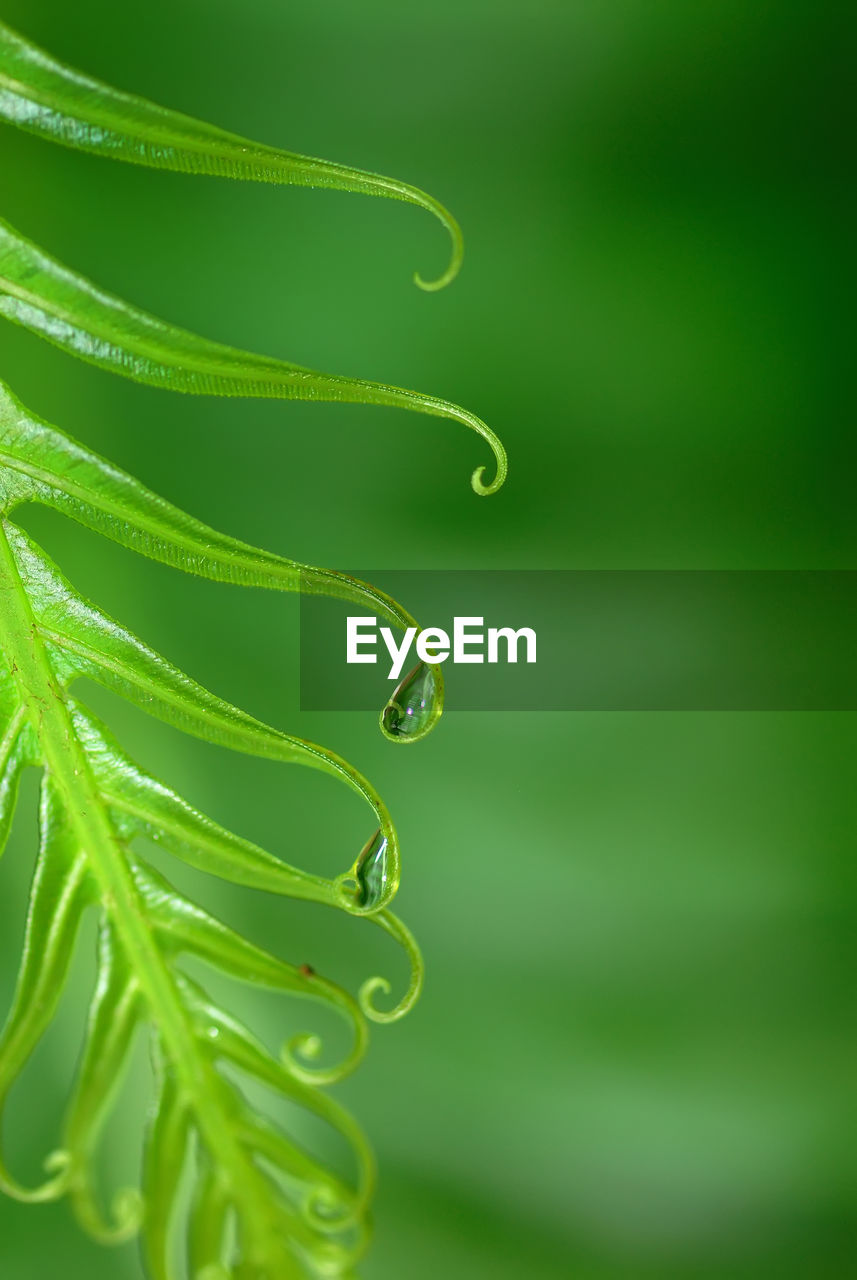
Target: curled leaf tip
478 483
329 1209
57 1165
372 986
367 991
127 1212
457 250
380 985
446 409
305 1046
57 1162
435 286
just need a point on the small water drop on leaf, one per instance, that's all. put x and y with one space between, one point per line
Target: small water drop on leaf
371 870
413 704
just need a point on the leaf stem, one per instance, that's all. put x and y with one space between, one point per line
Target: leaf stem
202 1088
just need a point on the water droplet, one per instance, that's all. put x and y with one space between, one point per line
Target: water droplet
412 705
371 870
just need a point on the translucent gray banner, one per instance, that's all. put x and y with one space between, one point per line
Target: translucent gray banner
617 640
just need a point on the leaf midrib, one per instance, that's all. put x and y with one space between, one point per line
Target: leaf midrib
68 763
248 558
240 151
7 746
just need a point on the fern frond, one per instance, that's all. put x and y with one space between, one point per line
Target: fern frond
40 464
41 95
40 294
291 1214
263 1207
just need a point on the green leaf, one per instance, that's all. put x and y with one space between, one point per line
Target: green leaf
262 1207
68 310
40 464
41 95
292 1215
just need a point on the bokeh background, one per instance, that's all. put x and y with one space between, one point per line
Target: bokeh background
631 1059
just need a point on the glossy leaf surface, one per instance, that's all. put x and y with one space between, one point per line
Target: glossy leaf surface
292 1214
262 1206
41 464
40 94
42 295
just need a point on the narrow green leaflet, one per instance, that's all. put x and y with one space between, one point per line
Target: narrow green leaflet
41 95
263 1205
84 641
272 1209
42 295
38 463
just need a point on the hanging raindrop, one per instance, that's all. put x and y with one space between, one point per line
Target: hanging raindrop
413 706
370 870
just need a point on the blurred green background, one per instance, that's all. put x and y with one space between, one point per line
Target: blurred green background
632 1055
